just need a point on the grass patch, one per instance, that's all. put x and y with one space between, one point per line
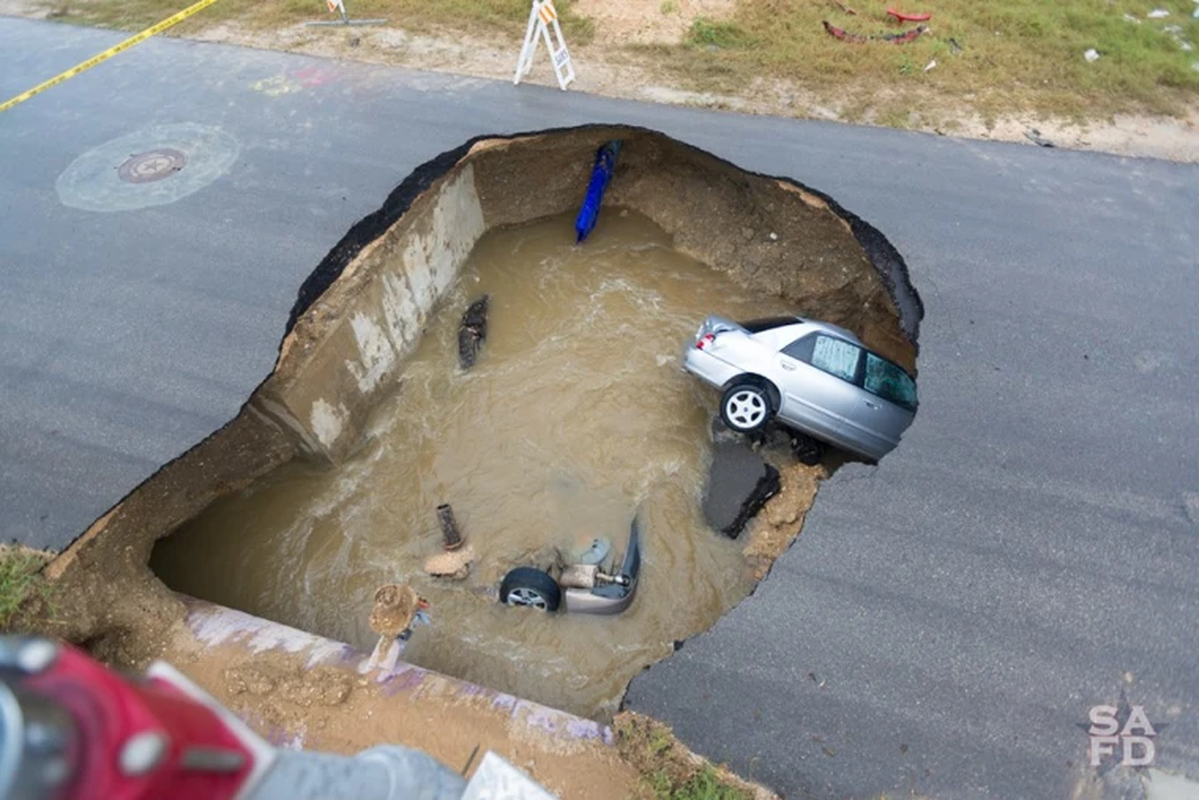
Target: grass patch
694 68
704 785
472 16
725 35
1001 57
20 581
669 771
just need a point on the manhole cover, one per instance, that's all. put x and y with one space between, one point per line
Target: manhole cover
149 167
153 165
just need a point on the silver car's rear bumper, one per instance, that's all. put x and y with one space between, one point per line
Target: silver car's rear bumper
611 599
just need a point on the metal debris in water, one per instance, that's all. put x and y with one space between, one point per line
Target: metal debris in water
472 332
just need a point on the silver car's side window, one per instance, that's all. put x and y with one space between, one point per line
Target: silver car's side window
836 357
889 382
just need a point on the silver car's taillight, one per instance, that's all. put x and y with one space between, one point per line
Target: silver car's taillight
704 340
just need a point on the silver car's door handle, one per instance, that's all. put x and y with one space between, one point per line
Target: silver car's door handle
785 365
871 403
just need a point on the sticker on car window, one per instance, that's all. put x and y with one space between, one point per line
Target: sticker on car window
836 357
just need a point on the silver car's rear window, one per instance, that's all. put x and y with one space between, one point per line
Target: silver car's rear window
768 323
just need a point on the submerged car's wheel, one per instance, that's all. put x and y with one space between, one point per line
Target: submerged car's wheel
745 407
531 587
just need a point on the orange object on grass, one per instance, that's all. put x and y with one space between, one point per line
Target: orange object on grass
902 17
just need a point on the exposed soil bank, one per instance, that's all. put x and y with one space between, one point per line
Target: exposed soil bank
364 308
301 691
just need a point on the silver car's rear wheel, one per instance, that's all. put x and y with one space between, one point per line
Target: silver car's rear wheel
745 407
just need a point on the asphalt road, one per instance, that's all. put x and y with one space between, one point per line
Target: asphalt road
944 621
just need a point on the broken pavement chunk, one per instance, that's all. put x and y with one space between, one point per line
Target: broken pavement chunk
739 484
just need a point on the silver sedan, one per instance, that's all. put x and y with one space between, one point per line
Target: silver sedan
813 376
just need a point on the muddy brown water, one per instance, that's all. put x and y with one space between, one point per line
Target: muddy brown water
576 414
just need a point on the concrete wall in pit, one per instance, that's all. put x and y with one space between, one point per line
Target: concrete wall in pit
347 350
362 311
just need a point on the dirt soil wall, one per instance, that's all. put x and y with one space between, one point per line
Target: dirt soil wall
363 308
299 690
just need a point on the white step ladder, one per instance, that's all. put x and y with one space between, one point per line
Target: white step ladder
542 18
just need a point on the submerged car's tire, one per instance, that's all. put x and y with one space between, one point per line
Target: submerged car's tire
530 587
745 407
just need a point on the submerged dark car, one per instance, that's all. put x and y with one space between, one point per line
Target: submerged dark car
579 588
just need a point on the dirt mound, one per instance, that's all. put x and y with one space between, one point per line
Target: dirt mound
649 21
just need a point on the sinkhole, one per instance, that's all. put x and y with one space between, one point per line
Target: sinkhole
575 417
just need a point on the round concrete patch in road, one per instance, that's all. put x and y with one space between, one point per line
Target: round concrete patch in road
151 167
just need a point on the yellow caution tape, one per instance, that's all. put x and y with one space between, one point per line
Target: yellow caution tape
109 53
